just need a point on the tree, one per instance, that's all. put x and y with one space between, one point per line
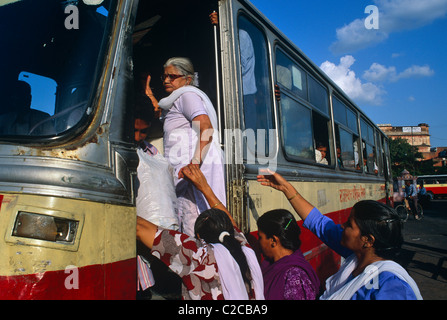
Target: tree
403 156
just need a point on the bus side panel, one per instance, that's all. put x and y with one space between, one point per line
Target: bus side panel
335 200
110 281
440 189
98 264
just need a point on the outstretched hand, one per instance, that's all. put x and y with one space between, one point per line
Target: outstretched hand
276 181
193 173
273 180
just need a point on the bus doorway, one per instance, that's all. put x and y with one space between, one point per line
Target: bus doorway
161 31
180 30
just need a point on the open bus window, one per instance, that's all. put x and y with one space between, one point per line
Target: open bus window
320 128
347 136
256 88
369 150
48 70
348 153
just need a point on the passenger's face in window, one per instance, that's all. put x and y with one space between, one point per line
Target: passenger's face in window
141 130
323 151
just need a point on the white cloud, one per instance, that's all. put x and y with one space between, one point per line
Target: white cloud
380 73
346 79
416 71
394 16
355 36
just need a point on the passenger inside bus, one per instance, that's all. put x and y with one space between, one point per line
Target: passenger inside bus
190 136
20 118
218 263
320 153
368 241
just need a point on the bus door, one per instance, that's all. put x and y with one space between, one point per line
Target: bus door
248 101
67 156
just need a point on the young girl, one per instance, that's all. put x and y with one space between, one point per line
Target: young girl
218 263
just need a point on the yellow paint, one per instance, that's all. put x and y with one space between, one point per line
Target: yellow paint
107 234
327 197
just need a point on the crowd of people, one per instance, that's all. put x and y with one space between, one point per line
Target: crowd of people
206 248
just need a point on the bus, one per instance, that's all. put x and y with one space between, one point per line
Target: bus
436 185
69 78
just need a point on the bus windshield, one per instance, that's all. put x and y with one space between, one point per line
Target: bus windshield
48 62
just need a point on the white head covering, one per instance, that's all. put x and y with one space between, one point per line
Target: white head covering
233 286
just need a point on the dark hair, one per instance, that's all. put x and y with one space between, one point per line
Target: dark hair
282 224
209 225
144 109
383 223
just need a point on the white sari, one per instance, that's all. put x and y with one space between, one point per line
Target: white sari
338 288
190 201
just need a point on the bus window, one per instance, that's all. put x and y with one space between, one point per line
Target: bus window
43 91
256 86
318 96
386 157
379 155
296 129
348 155
51 59
369 150
347 137
320 126
290 75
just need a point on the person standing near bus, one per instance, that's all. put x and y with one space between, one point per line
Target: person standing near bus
190 137
411 195
368 241
287 274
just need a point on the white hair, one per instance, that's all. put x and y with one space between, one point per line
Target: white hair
185 67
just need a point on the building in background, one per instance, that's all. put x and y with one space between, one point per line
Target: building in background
417 136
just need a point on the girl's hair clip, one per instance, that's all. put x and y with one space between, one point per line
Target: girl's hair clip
288 224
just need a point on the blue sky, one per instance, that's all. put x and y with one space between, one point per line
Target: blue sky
397 73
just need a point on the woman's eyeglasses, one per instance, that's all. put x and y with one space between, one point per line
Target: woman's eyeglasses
171 77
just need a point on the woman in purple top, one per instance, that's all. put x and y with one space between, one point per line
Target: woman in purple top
287 274
367 241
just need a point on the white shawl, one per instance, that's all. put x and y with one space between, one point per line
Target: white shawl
168 102
233 287
338 288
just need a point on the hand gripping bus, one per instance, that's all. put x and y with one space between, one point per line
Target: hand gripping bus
69 74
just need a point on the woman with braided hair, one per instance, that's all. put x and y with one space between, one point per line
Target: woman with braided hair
217 263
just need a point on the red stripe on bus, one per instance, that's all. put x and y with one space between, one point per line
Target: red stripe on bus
115 281
437 190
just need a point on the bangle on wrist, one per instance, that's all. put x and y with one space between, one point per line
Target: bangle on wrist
290 199
216 205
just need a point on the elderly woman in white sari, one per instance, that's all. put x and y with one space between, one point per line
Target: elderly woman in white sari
190 137
368 241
